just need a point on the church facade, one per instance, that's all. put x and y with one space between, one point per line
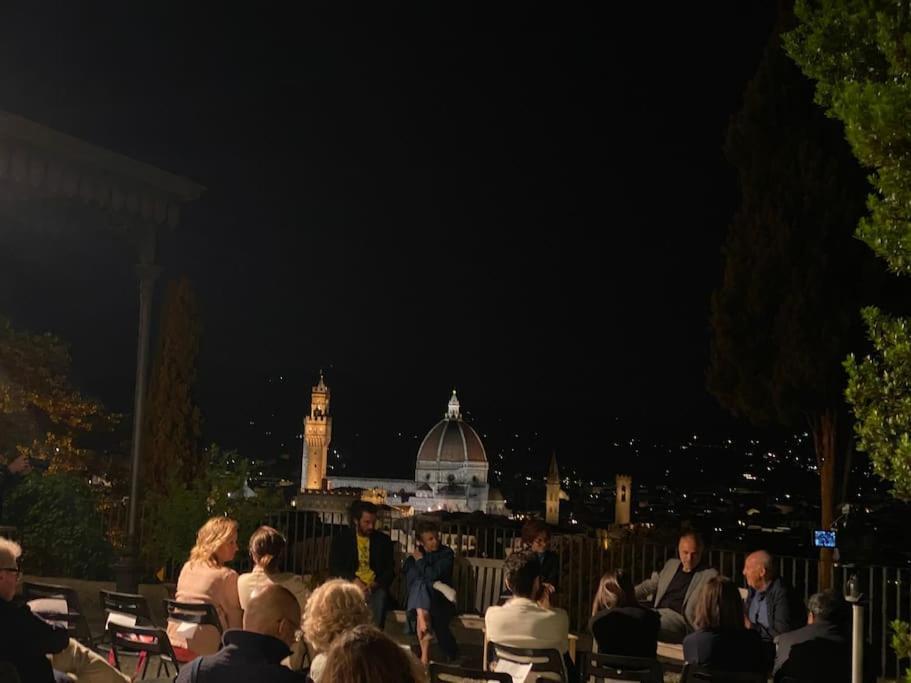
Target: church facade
450 469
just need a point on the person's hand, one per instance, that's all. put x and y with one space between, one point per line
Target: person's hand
548 588
20 465
544 599
417 554
365 589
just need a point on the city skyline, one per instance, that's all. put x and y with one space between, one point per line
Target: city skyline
477 213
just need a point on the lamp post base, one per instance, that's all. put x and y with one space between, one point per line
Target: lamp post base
127 573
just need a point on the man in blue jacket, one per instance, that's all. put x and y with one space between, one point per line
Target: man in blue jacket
771 606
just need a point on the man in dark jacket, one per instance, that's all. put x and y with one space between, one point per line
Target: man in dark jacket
26 640
271 623
364 555
771 606
819 651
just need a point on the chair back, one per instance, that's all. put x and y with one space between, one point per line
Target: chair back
546 663
75 620
701 674
447 673
137 639
600 667
201 613
126 603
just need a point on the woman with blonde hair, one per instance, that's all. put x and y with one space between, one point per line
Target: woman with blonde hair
334 608
367 655
204 578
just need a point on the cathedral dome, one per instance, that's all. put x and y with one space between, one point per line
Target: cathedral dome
452 441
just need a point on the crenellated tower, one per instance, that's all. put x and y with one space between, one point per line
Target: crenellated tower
317 436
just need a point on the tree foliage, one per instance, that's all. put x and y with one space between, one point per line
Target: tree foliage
41 413
174 514
61 529
173 423
787 309
859 54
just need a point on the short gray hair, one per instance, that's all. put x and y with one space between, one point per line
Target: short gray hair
10 549
827 606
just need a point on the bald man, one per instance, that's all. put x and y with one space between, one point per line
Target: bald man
771 607
271 623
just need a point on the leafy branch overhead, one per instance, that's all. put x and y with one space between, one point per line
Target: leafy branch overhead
41 413
859 54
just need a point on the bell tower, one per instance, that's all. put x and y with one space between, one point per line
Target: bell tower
552 503
317 435
624 495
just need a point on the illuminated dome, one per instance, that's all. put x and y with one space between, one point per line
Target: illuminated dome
451 441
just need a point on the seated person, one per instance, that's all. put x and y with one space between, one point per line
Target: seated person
367 655
821 650
26 640
536 537
522 622
619 624
334 608
770 605
432 611
267 548
721 640
204 578
255 653
364 555
674 592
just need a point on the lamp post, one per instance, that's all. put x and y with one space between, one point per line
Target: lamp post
854 596
126 569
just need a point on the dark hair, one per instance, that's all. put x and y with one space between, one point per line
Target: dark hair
719 606
828 606
614 590
532 529
359 507
426 526
695 535
267 546
364 654
521 570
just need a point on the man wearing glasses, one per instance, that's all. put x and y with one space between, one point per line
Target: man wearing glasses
26 640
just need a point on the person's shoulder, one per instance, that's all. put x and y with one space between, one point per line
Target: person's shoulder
226 573
795 636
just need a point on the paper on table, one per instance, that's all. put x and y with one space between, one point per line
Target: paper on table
185 629
447 591
120 619
519 672
48 607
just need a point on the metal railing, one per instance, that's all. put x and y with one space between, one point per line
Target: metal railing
583 560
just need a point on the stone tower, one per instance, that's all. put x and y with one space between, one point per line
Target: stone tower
317 435
624 496
552 504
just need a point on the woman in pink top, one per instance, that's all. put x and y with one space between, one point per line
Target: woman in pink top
204 578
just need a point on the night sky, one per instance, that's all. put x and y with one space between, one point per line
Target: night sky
526 205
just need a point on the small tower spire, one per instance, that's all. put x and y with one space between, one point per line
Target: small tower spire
552 502
453 412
